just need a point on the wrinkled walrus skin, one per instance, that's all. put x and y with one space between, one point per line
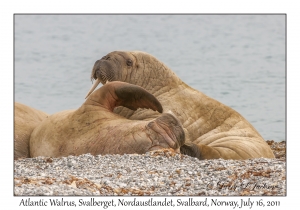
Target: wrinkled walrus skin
26 119
213 130
94 128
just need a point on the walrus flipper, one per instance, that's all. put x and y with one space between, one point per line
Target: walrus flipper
117 93
190 150
134 97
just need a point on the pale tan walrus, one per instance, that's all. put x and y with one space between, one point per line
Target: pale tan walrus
213 130
25 120
94 128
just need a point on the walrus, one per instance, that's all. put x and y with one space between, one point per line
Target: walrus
94 128
25 120
212 129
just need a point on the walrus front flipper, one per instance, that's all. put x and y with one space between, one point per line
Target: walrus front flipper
199 151
134 97
190 149
117 93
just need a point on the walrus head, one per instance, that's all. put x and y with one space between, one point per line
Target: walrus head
115 66
133 67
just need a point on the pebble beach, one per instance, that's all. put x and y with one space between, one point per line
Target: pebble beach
156 173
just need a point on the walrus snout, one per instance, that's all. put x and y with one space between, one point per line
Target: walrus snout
103 71
166 131
168 120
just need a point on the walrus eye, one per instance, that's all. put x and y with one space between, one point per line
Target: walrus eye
129 62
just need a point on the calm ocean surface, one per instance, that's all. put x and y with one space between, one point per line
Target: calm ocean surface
237 59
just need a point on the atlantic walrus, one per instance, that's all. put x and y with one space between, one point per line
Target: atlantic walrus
25 120
213 130
94 128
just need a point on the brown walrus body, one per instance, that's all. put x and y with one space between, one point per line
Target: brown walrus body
26 119
212 129
94 128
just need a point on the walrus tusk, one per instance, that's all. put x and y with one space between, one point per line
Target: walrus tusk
93 87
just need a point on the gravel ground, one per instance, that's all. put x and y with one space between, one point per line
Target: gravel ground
155 173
